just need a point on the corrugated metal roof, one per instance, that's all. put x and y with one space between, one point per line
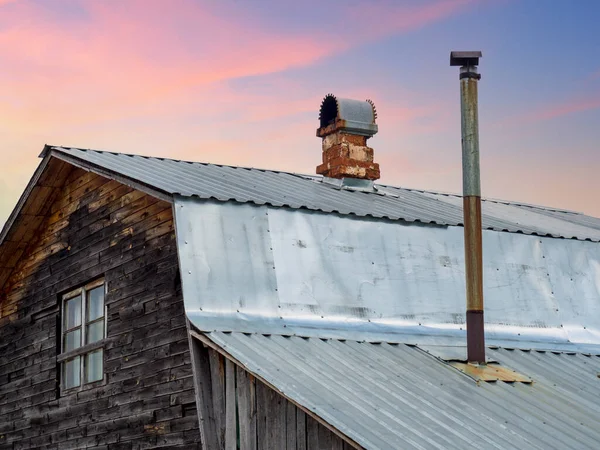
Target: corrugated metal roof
396 396
226 183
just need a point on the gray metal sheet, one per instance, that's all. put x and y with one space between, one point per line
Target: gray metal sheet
502 216
396 396
243 278
224 183
450 352
251 268
579 219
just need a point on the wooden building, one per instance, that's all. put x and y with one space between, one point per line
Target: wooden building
81 239
153 303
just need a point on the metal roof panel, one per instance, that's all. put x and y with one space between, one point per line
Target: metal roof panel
227 183
396 396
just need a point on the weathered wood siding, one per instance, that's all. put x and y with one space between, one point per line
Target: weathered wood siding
238 411
97 227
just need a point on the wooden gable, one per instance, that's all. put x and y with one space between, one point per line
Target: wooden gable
74 226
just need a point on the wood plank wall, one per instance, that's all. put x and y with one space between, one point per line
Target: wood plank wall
97 227
32 214
237 411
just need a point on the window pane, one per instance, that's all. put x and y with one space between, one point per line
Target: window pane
93 366
95 305
71 373
72 340
94 332
72 312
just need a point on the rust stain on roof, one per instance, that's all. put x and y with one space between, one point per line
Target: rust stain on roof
490 372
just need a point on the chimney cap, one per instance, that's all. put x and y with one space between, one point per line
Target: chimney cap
465 58
352 116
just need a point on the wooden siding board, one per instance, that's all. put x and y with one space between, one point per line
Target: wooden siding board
203 393
77 175
9 249
276 419
12 260
56 173
76 189
301 440
262 410
27 226
246 393
312 434
99 245
291 433
217 372
326 438
39 201
111 258
230 407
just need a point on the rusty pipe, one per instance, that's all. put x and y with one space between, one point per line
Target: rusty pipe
469 78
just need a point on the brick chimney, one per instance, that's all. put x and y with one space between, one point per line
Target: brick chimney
345 127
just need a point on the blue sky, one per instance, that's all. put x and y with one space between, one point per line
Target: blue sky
241 82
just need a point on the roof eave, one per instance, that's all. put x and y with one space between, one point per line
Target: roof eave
49 152
86 165
206 340
24 196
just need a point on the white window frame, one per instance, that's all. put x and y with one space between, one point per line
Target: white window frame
83 349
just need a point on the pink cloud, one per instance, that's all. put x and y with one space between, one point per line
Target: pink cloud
139 58
552 111
144 76
559 110
373 20
567 108
594 76
140 51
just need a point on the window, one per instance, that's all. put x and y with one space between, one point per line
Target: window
82 334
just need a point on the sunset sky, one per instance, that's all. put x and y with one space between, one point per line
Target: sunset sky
240 83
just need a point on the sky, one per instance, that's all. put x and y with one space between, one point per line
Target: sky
241 82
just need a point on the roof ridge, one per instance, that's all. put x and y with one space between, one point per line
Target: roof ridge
485 199
60 147
313 177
